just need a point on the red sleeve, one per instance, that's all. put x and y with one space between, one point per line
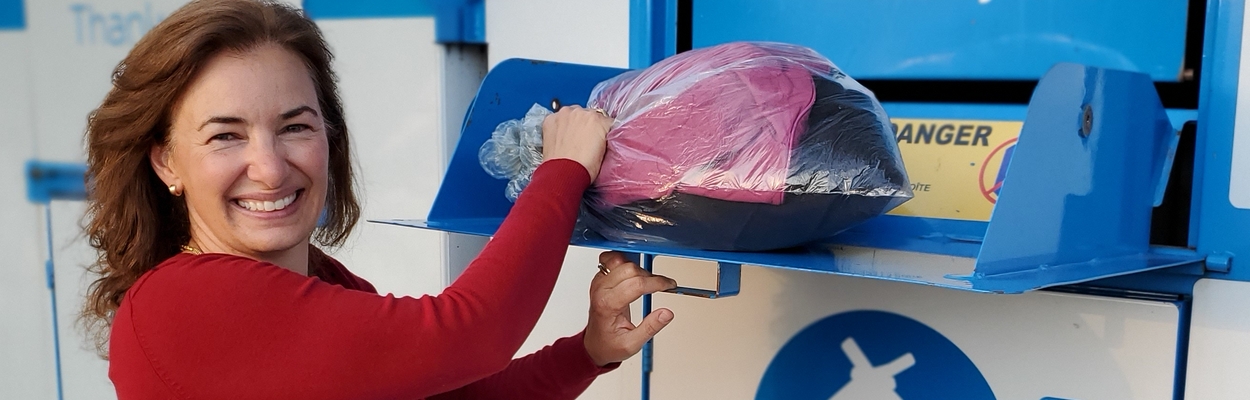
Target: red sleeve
218 326
562 370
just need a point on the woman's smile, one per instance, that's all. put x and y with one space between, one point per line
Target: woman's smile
269 206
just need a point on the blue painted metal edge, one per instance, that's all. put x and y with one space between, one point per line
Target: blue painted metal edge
1050 276
460 21
1215 27
455 21
1182 346
648 349
354 9
47 181
1178 280
982 112
820 259
49 268
12 15
995 112
652 31
1218 227
959 40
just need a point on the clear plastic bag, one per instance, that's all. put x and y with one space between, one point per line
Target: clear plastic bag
744 146
514 150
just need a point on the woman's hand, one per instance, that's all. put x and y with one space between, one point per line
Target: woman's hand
577 134
610 335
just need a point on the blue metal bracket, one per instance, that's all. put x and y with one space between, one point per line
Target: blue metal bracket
728 281
1220 262
47 181
728 278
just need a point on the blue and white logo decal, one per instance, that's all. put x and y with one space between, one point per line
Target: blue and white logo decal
871 355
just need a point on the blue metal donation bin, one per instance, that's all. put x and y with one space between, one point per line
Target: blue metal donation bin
1075 204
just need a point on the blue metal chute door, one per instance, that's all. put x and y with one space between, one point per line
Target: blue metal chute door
1077 197
470 201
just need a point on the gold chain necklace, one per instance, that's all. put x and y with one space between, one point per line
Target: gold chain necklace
186 248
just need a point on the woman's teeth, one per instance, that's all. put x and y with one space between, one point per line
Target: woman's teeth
266 206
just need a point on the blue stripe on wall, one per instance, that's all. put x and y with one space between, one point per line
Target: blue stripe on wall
12 15
345 9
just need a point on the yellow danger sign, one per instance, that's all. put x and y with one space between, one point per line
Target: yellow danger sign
955 166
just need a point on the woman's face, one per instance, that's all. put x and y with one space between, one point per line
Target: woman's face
248 148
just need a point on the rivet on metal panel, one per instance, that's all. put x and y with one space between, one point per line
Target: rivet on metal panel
1087 121
1219 262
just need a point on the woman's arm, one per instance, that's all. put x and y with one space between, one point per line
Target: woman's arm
219 326
562 370
566 368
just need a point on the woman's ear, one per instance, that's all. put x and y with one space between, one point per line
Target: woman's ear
159 157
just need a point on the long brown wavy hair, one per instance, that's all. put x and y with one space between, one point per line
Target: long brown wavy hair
132 220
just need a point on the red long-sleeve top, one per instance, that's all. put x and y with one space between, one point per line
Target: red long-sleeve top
218 326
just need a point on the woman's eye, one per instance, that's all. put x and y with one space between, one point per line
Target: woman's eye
223 137
296 128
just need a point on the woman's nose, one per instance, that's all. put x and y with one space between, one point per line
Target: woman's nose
267 162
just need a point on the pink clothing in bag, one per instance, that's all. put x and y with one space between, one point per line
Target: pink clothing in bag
718 122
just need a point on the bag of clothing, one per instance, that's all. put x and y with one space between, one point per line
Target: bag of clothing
744 146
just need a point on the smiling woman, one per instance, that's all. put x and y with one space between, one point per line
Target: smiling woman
211 160
247 137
